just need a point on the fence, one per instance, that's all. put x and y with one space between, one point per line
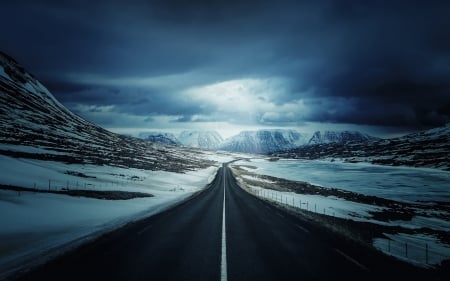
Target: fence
405 247
51 185
421 253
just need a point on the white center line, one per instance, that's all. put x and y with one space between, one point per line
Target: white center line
351 260
223 262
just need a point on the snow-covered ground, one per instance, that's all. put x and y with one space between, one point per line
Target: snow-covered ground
411 185
32 224
396 183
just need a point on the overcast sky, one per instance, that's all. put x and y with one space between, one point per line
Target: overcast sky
379 66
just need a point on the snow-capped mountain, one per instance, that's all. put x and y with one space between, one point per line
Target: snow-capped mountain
264 141
429 148
35 125
201 139
339 137
160 137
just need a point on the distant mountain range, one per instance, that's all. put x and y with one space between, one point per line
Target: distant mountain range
259 142
423 149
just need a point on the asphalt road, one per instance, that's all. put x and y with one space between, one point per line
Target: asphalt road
203 239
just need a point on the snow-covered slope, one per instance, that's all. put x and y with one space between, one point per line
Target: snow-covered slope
35 125
200 139
264 141
339 137
160 137
429 148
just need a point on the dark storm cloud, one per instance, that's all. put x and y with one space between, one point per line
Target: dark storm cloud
364 62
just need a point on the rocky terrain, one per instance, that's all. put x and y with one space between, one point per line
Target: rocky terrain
424 149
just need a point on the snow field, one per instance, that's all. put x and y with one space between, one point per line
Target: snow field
390 182
32 224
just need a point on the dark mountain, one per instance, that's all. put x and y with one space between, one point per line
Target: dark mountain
31 120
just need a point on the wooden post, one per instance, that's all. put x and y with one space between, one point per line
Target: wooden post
406 249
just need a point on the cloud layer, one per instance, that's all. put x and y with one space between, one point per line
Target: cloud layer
120 63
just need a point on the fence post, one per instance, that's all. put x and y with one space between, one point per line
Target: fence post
300 203
406 249
426 253
315 209
307 208
49 182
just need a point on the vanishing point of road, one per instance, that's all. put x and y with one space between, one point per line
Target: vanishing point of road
223 233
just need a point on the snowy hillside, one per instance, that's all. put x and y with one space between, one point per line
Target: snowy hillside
160 137
201 139
424 149
339 137
264 141
34 125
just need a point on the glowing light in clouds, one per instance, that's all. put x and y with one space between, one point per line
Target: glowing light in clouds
246 99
